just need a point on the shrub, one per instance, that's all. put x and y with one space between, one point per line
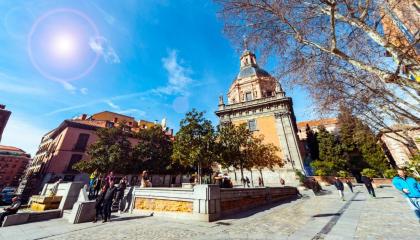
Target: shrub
390 173
343 174
321 172
369 172
300 175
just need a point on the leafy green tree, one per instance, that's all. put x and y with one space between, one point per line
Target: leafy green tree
195 142
235 144
153 151
111 152
331 158
414 165
390 173
264 155
312 143
369 172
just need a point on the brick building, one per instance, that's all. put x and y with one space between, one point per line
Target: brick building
13 162
66 145
330 124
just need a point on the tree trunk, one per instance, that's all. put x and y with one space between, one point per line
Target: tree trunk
242 175
252 179
199 173
262 179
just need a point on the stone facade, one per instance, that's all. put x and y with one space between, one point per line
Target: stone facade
400 149
257 99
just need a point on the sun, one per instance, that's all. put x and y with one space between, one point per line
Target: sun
63 45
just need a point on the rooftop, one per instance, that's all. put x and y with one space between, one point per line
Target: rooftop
317 122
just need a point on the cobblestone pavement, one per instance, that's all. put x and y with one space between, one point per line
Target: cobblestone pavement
322 217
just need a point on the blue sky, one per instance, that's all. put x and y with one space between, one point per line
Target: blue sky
148 59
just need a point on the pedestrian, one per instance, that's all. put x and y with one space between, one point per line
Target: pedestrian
226 182
97 186
92 179
282 182
110 177
410 188
340 187
145 180
13 209
218 178
99 204
108 200
120 194
349 184
247 181
368 183
260 182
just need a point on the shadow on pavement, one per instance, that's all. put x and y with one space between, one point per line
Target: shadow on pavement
358 200
117 219
224 223
383 197
327 215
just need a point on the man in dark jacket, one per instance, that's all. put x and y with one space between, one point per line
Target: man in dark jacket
13 209
99 204
340 187
368 183
108 198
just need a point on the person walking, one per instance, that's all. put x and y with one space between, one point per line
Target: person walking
108 199
340 187
349 184
99 204
247 181
410 188
368 183
120 194
97 186
13 209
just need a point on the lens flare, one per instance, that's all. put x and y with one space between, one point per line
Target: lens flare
58 45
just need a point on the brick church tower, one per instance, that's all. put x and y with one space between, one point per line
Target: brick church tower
257 99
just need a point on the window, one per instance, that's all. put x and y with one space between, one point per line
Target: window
81 142
252 125
248 96
73 160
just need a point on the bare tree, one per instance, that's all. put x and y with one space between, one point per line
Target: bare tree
336 49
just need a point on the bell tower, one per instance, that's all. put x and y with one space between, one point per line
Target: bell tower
257 99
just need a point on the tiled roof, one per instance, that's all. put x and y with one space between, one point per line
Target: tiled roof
318 122
10 148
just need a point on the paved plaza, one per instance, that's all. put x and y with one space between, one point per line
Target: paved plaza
321 217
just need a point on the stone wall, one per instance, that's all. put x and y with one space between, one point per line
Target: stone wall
206 202
235 200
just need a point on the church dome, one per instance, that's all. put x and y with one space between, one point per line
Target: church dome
250 71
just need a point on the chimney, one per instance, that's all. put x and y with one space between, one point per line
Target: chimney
171 131
84 116
2 106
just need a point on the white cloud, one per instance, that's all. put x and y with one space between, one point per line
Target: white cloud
22 134
111 104
133 111
178 75
101 46
84 91
68 86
